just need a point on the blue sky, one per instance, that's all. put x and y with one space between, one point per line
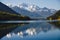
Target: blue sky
54 4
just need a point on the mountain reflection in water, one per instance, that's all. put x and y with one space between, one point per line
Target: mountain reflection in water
7 27
32 31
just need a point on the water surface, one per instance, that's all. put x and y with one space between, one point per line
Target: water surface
32 31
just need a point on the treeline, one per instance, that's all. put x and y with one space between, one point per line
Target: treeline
56 16
11 16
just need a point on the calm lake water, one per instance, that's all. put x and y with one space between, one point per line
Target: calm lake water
30 31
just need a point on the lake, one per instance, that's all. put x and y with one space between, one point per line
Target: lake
30 30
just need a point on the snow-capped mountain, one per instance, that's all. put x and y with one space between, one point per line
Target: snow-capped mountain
26 12
23 5
33 10
45 12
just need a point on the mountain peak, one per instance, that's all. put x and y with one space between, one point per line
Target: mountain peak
23 5
0 2
45 8
3 7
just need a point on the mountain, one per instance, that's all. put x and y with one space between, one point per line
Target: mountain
28 7
55 16
7 13
33 10
26 12
23 5
45 12
3 7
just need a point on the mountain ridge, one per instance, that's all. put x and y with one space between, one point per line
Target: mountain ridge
4 7
7 13
41 12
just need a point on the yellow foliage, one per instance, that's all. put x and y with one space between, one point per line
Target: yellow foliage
58 19
50 18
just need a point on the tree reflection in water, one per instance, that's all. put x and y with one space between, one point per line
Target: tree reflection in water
30 30
57 24
5 28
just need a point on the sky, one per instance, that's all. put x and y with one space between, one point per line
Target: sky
54 4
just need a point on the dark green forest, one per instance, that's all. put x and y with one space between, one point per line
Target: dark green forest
56 16
11 16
